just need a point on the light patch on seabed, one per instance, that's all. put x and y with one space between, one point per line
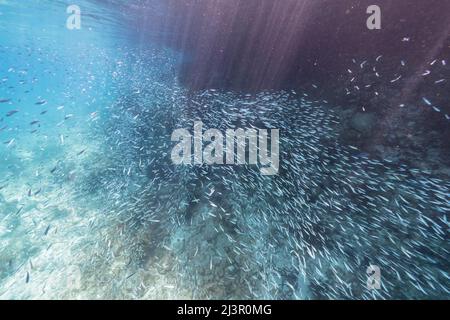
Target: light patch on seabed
57 267
54 260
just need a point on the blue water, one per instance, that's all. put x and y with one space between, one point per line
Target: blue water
92 208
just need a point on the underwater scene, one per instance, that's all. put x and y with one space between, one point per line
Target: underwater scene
224 149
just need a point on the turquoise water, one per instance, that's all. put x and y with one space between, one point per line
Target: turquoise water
91 206
67 82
